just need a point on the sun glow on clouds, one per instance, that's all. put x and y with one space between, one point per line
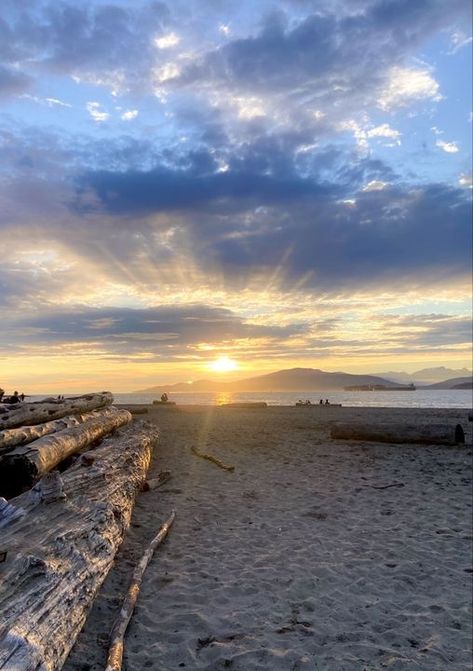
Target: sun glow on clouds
223 365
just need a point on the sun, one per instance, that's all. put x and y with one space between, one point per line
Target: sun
223 365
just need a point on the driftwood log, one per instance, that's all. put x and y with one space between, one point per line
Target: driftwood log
117 637
428 434
26 414
59 553
22 466
10 438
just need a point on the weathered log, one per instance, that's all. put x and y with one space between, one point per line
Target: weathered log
117 636
428 434
59 553
21 467
10 438
245 405
26 414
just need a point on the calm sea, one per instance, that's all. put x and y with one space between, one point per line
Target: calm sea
458 398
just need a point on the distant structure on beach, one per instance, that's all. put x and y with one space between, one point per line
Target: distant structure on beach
379 387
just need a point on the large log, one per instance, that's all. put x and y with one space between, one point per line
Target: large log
428 434
10 438
26 414
21 467
59 553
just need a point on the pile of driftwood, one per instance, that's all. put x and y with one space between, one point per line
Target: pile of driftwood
59 536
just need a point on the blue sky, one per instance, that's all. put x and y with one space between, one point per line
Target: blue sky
285 183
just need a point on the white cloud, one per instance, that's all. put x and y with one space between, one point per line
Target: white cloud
167 72
458 40
55 101
50 102
224 29
167 41
449 147
375 185
129 115
408 85
95 112
363 134
384 130
466 181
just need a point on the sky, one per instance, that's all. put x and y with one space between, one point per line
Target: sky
281 183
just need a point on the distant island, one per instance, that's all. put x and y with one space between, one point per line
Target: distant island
299 380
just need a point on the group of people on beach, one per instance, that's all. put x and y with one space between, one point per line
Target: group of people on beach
16 398
321 402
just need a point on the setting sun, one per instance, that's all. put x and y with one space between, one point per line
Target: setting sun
223 365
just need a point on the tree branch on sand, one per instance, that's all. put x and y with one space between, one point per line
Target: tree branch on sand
214 460
117 636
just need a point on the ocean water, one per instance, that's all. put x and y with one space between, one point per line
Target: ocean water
456 398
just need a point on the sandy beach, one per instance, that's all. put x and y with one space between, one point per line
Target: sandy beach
312 554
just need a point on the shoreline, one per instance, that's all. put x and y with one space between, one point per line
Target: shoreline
312 554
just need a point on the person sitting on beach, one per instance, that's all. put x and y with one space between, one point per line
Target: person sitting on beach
15 398
327 401
164 398
321 402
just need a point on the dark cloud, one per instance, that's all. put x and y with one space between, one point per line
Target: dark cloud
262 210
162 331
326 56
164 190
108 42
13 82
431 330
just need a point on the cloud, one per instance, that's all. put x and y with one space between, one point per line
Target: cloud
164 331
13 82
375 185
448 147
94 109
466 181
407 85
167 41
129 115
458 40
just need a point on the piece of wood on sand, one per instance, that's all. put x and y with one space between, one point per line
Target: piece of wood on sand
423 434
22 435
59 552
211 458
117 636
26 414
24 465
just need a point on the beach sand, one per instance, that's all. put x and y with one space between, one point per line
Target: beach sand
313 554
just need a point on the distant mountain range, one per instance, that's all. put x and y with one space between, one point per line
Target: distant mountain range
427 376
294 379
454 383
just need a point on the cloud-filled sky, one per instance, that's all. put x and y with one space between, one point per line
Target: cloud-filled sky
287 183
